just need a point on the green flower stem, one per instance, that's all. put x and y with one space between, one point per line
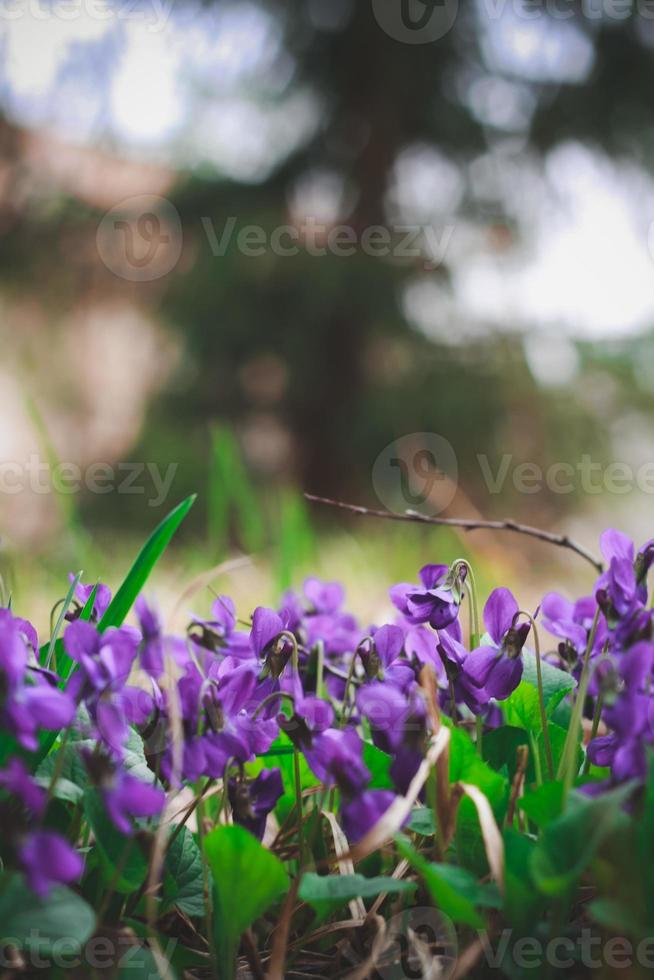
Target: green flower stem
541 696
275 696
471 586
59 765
320 668
566 766
536 757
295 666
597 714
475 635
205 876
350 676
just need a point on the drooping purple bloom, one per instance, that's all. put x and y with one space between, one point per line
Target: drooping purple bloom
571 622
310 716
398 724
623 586
325 597
380 655
421 647
218 634
387 709
436 601
105 662
252 801
496 667
105 659
13 650
36 706
465 691
126 797
30 699
83 594
151 652
47 860
335 757
16 780
631 718
361 813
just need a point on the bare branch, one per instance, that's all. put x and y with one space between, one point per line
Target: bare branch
467 524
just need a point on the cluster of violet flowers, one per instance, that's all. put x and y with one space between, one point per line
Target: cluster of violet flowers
209 702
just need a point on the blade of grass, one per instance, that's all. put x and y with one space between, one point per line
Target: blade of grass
232 491
145 561
295 544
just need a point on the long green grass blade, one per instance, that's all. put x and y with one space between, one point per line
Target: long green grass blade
295 540
231 492
140 571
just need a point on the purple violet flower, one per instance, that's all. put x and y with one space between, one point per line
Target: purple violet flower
437 601
47 860
82 596
126 797
496 668
251 802
361 813
16 780
623 587
218 634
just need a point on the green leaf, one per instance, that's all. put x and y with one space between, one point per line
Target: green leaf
500 750
466 766
379 764
615 915
422 821
122 861
283 760
183 885
147 558
522 708
73 777
247 879
134 761
327 893
523 904
570 842
454 890
544 804
139 963
35 925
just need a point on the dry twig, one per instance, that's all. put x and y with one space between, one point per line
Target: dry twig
466 524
